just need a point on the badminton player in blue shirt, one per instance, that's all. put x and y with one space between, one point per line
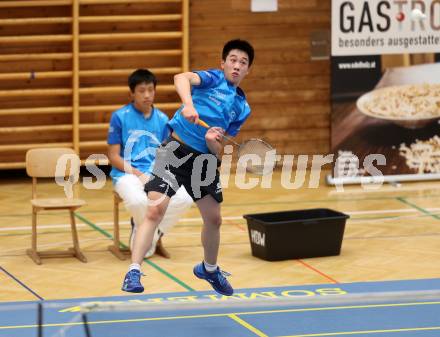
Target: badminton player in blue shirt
136 131
213 96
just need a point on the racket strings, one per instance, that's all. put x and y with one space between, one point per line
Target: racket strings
261 156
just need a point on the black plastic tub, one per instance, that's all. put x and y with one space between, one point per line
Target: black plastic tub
296 234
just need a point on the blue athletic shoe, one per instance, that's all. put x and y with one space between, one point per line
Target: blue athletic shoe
132 282
217 279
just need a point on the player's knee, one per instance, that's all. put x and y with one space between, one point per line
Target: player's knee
155 213
216 221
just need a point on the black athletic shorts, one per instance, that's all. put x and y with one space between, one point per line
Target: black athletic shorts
178 164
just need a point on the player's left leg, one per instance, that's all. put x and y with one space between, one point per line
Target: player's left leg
157 205
208 269
179 204
130 188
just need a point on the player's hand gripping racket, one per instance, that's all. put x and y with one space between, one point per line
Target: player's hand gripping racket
255 147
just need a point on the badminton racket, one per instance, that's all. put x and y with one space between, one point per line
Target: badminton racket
254 148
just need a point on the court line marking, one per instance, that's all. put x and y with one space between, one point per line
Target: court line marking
101 224
6 252
147 261
22 284
347 198
248 326
426 211
195 219
245 313
290 202
20 249
359 332
308 266
226 218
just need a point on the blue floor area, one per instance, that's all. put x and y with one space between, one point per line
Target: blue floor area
398 318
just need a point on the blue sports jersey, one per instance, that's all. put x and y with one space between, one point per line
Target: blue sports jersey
138 136
218 103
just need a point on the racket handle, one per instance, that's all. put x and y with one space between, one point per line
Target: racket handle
204 124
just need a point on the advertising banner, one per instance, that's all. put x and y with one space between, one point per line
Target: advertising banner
385 27
385 87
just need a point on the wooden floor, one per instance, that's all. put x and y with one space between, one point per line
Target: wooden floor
393 233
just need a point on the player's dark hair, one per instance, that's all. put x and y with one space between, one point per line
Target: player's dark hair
240 45
140 76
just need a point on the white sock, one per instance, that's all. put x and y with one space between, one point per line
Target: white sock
210 268
136 266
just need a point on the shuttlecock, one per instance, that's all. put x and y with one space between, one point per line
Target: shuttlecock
417 14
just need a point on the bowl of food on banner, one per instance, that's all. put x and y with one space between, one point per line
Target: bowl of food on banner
411 106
